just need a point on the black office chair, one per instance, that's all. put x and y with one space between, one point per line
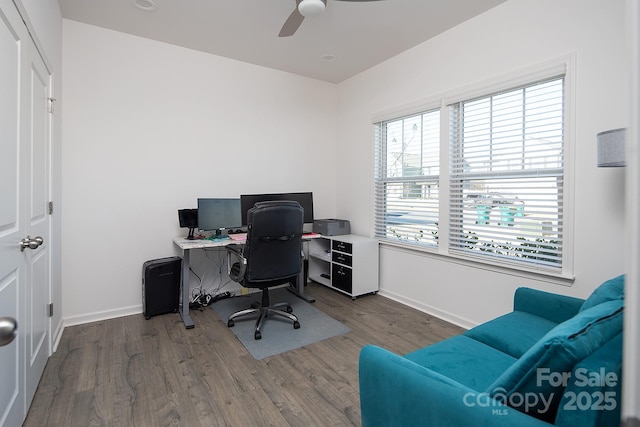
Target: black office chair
271 256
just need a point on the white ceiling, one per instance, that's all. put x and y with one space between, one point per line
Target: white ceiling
359 34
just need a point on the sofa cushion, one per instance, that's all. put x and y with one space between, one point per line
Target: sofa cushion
514 333
534 374
463 359
611 290
593 396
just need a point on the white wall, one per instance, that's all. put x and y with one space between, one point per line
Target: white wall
515 35
150 127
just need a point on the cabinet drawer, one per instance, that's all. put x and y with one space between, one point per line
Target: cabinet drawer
341 277
342 246
342 258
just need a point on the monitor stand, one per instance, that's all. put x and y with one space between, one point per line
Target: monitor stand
191 231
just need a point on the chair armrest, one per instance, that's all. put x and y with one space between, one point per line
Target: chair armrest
547 305
235 256
395 391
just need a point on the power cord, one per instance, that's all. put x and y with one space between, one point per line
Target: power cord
223 295
201 298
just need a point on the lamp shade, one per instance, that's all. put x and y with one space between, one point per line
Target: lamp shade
611 148
309 8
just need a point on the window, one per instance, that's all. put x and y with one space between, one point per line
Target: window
507 175
503 187
407 175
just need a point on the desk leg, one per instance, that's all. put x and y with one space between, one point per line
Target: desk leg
298 288
184 309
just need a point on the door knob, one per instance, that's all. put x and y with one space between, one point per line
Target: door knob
30 243
8 330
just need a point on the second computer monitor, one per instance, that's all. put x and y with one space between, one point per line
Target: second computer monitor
218 214
305 199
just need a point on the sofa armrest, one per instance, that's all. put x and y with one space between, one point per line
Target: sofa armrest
397 392
554 307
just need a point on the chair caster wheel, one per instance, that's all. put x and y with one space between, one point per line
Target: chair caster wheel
230 323
296 325
289 309
257 335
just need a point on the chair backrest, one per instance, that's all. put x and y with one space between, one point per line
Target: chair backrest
274 242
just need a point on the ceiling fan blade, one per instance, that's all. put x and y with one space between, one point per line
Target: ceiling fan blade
292 23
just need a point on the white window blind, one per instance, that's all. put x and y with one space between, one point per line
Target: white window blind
506 176
407 178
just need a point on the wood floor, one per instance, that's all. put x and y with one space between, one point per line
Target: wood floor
135 372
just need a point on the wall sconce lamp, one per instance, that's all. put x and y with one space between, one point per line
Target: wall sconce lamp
611 148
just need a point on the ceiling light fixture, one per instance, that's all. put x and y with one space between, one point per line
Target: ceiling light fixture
309 8
145 4
328 57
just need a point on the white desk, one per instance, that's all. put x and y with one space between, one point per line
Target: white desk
188 245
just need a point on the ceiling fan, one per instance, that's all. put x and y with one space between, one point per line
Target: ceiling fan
305 8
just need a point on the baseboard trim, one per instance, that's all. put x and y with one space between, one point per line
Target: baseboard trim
440 314
57 336
102 315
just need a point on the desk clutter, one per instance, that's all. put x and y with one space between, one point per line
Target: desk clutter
238 237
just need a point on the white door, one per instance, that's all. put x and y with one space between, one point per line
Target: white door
36 144
24 191
12 229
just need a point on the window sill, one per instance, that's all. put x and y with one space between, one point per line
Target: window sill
552 277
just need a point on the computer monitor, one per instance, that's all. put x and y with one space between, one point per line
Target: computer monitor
305 199
218 214
188 218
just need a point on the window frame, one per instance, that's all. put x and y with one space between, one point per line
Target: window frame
565 67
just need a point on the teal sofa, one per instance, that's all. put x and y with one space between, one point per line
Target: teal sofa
554 360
